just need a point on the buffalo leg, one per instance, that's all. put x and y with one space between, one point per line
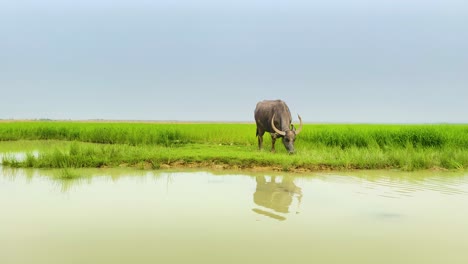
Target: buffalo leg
260 138
273 141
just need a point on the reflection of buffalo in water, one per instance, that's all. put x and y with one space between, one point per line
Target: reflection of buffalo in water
274 195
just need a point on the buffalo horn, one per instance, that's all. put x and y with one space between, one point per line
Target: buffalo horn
274 128
300 125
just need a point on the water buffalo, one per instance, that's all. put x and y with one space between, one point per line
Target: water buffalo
271 115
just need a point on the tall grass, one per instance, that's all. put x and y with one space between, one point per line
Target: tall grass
407 147
343 136
130 133
384 136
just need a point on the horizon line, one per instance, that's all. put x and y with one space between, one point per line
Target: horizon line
169 121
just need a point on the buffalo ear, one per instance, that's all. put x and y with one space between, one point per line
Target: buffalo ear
293 128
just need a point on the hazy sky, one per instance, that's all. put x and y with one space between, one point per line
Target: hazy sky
331 60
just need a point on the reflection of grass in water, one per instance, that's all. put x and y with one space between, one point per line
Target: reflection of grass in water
68 174
67 182
67 178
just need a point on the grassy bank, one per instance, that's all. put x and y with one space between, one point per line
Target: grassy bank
77 145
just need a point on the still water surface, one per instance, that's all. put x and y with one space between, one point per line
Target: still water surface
130 216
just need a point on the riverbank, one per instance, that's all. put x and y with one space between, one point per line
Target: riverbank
232 146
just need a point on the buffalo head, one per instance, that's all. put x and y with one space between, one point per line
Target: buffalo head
289 136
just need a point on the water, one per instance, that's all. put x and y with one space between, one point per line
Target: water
132 216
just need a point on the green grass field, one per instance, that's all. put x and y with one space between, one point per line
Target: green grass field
156 145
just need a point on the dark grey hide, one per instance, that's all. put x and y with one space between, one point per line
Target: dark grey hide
274 117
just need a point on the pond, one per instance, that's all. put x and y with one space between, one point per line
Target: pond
138 216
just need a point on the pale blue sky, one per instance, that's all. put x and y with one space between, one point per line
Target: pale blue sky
398 61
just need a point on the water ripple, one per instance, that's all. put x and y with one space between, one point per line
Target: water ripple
408 186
